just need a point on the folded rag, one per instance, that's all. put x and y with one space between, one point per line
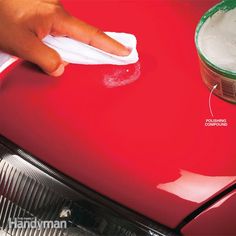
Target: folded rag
73 51
6 60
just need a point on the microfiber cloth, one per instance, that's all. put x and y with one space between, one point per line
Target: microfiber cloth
76 52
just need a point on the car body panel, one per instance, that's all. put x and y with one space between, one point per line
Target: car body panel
219 219
140 140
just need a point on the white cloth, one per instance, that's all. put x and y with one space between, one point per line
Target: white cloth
5 61
73 51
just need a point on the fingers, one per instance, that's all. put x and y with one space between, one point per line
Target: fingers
38 53
90 35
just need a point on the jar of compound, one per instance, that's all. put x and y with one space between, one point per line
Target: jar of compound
215 40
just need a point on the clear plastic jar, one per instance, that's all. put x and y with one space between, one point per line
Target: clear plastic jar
213 75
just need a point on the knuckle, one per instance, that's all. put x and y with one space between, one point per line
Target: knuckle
96 33
52 11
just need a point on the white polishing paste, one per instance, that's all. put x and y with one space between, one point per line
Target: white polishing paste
217 39
73 51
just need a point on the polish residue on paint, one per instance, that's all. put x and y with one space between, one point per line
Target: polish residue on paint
122 76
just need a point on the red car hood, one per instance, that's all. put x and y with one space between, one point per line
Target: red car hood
133 133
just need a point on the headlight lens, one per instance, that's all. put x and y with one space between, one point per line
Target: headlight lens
37 200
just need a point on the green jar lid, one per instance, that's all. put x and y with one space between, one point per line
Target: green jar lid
225 5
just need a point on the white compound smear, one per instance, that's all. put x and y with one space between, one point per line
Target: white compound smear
217 39
122 77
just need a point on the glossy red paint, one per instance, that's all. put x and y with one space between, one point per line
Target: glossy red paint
144 144
219 219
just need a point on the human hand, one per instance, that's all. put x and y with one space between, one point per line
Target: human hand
24 23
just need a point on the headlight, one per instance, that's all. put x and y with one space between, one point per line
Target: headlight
37 200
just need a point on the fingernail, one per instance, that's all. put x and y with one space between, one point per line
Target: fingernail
127 51
60 70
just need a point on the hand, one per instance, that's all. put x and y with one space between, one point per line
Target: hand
24 23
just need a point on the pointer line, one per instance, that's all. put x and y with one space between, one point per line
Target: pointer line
214 87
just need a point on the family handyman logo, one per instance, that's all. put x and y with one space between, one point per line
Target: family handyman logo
34 223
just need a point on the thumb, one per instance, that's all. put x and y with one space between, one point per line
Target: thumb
38 53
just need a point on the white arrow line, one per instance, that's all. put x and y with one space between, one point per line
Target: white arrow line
214 87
